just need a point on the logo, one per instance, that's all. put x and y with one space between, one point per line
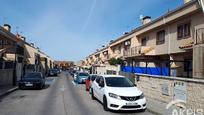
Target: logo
183 110
179 103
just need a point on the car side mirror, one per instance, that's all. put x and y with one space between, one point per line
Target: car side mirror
135 85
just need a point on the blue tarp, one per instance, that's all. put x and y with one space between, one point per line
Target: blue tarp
150 70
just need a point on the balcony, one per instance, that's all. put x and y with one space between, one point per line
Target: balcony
199 36
138 51
134 51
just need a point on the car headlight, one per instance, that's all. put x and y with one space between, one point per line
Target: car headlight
114 96
142 96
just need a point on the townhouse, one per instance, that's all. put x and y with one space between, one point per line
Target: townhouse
169 45
12 56
18 57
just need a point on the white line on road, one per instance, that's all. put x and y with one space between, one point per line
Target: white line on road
73 83
62 88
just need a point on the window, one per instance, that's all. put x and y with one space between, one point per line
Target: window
183 31
101 81
144 41
98 79
188 65
187 32
119 49
1 41
160 37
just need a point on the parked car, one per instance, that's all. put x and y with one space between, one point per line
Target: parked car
52 72
58 70
81 77
118 93
89 81
33 80
72 72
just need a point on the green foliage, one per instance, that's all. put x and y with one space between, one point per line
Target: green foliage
114 61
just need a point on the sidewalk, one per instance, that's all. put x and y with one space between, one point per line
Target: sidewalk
5 90
159 108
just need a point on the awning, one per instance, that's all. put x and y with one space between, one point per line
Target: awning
188 44
146 50
2 51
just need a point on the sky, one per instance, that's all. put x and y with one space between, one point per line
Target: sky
73 29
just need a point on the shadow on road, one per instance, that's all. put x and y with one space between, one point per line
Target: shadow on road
122 111
32 88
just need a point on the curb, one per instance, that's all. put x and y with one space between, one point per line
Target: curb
153 112
8 92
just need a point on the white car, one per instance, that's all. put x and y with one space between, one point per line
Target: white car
117 93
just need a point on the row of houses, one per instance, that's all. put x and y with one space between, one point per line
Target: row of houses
170 45
164 57
18 57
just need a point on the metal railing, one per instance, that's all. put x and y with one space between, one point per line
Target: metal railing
199 36
134 51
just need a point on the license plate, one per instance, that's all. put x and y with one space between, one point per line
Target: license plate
29 84
131 104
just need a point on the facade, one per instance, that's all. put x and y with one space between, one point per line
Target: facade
169 45
17 57
36 60
12 55
63 64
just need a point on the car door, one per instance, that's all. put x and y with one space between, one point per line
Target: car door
96 87
101 89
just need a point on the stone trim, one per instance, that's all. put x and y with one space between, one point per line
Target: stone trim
201 81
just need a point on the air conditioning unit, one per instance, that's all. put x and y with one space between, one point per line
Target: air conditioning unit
127 43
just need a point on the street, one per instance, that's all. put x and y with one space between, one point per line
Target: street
59 97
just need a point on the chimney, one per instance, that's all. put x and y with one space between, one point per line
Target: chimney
24 38
7 27
186 1
32 44
146 20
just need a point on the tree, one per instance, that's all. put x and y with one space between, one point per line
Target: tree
114 61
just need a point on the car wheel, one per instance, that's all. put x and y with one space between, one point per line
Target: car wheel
20 87
92 95
105 105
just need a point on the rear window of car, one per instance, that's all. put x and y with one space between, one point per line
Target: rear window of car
33 75
83 74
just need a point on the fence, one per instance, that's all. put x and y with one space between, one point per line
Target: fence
130 76
6 77
146 70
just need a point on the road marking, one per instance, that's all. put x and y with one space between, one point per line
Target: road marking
50 81
62 88
73 83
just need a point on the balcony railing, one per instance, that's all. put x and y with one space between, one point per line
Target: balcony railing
199 36
134 51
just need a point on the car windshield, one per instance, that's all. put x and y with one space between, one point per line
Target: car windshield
33 75
118 82
54 70
83 74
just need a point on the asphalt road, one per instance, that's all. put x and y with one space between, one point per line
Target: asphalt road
60 97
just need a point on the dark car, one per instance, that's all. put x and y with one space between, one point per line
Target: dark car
53 72
32 80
